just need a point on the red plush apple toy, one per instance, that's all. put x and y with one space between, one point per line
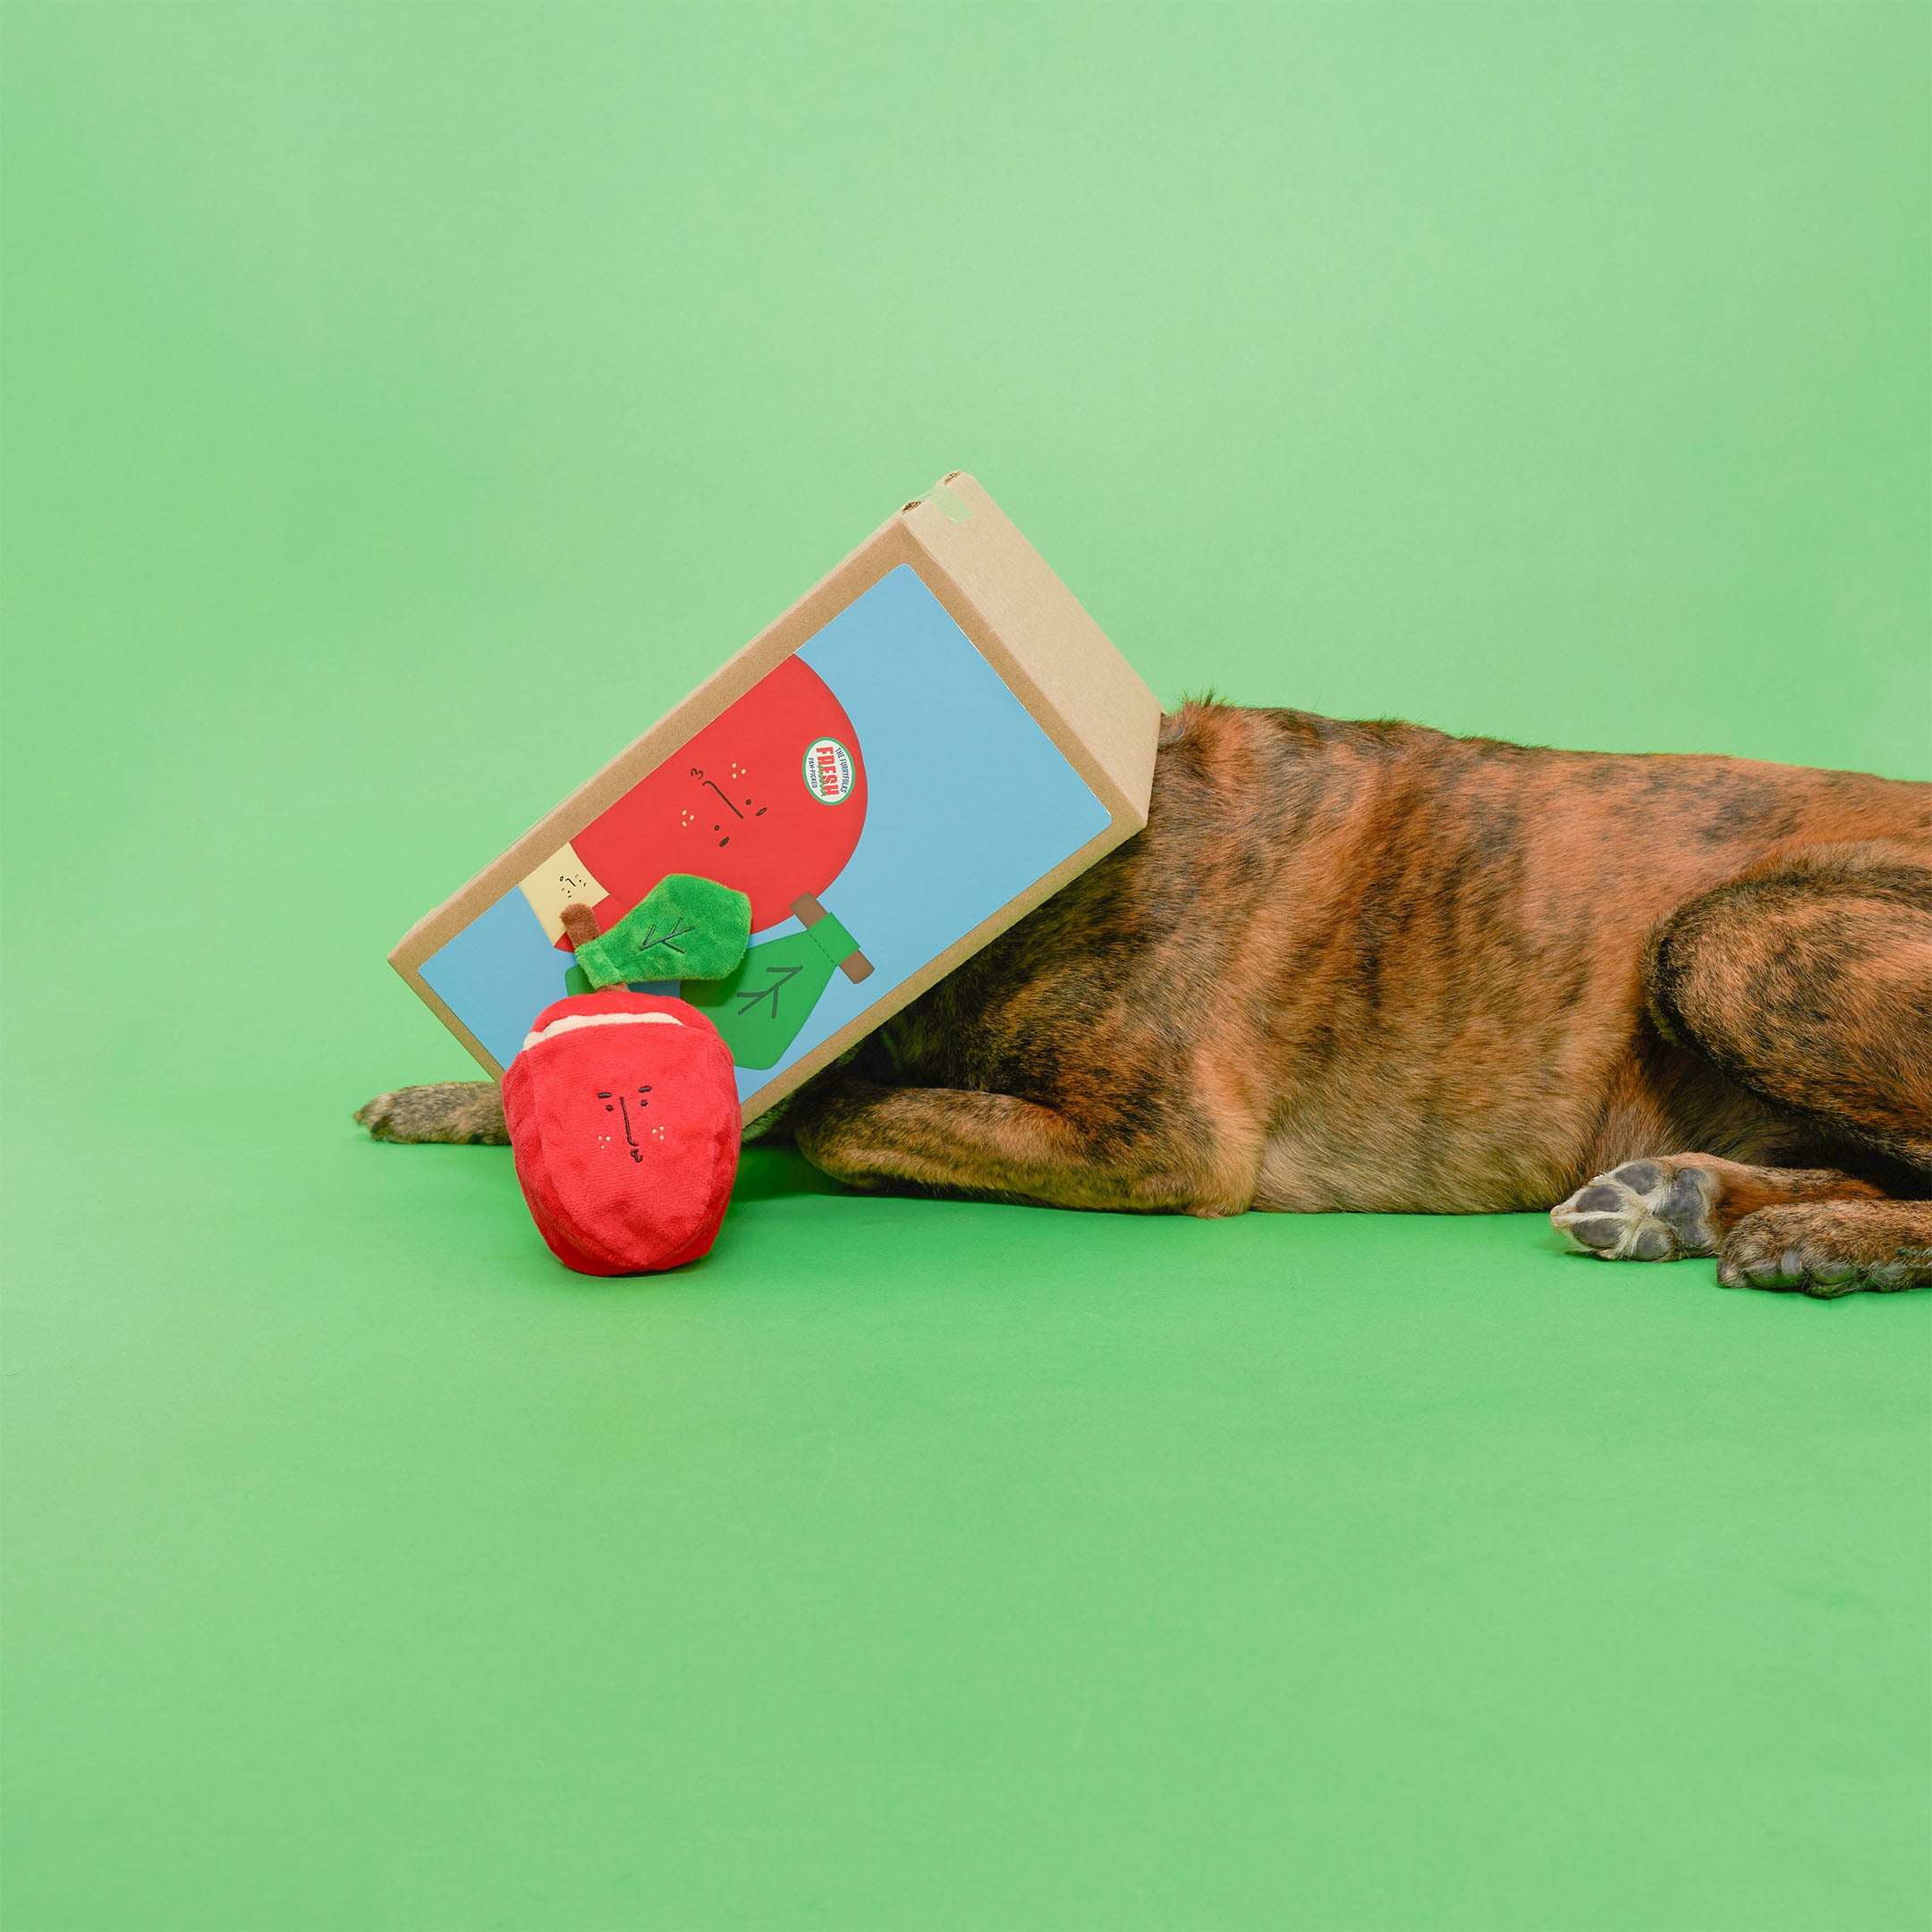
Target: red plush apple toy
623 1118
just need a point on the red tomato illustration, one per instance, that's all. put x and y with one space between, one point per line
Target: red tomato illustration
769 798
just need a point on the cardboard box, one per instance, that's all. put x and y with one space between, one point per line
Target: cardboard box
920 751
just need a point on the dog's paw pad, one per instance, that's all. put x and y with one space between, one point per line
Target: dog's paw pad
1645 1211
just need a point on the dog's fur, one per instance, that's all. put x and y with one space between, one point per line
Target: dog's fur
1371 967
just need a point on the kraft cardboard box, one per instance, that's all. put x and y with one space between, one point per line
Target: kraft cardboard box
922 749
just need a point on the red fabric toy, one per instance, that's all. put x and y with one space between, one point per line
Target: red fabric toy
623 1118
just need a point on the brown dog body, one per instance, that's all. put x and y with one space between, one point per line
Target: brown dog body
1368 966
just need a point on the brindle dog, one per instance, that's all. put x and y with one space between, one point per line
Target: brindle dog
1368 967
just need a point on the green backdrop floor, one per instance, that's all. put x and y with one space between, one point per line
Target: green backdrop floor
405 405
912 1563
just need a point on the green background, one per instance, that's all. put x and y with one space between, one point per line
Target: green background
403 405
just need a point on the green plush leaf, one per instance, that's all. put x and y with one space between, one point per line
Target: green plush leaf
685 927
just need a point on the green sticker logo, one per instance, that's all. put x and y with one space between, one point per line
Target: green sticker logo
829 771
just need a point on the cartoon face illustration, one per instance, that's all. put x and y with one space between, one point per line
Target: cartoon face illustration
769 799
739 817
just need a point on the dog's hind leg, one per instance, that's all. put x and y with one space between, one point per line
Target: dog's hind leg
875 1136
1807 982
450 1112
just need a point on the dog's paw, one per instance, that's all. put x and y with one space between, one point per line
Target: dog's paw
1826 1249
390 1116
1645 1211
461 1112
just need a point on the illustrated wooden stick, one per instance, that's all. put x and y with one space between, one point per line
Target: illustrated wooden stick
828 932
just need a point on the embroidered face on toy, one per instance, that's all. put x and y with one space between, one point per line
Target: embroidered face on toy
616 1101
622 1112
769 799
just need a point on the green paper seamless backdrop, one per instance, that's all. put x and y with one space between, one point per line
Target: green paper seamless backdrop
403 405
406 405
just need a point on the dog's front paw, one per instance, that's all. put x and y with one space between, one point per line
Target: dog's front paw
463 1113
1645 1211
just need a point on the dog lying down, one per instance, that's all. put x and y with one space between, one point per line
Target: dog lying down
1684 1002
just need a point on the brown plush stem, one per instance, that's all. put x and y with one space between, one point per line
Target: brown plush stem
580 923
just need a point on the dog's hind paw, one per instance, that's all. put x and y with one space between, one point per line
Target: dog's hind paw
1830 1248
1645 1211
